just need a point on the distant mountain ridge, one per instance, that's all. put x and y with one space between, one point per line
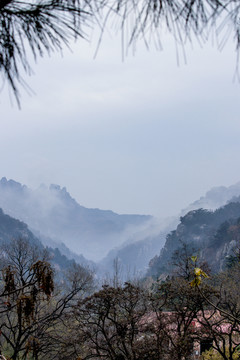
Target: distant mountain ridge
215 198
59 221
13 229
53 213
135 256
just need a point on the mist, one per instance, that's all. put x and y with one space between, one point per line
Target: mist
52 213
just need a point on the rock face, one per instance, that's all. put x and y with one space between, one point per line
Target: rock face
53 213
214 199
211 234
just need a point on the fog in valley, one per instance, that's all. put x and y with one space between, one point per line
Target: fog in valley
97 236
119 180
133 142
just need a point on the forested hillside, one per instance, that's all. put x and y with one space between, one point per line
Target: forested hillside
211 234
53 308
12 229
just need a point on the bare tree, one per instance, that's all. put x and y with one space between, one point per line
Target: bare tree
31 304
177 315
112 324
130 323
222 321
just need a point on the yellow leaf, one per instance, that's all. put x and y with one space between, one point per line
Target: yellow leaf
196 281
197 271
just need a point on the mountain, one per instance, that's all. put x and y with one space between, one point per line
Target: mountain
133 255
211 234
11 228
63 249
215 198
53 213
133 258
59 221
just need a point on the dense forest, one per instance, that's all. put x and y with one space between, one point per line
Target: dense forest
212 235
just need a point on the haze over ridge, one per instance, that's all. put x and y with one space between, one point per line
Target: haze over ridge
52 212
55 214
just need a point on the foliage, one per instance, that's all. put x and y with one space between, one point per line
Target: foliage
208 233
198 274
38 26
214 355
222 320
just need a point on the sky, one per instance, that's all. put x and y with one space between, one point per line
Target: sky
148 134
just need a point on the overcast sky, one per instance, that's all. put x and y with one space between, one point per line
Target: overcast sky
142 136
